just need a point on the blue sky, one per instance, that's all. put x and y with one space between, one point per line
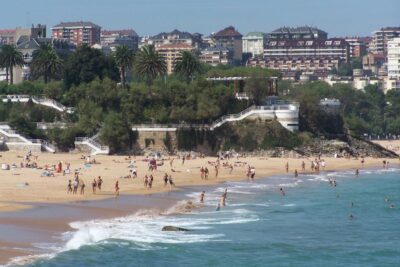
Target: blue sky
149 17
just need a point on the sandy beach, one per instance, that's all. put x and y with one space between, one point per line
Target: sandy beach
24 188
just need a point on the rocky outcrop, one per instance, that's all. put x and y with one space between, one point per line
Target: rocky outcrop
174 228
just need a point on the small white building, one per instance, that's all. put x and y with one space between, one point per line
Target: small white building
253 43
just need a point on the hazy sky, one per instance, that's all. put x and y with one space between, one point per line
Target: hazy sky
149 17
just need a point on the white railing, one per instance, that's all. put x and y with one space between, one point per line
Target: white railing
95 146
26 140
40 100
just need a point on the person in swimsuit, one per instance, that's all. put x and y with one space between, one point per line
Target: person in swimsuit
202 197
69 188
99 183
116 189
94 186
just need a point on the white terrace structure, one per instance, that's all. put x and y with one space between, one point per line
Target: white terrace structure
39 100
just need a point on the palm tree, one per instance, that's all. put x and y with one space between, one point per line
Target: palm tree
10 57
148 63
46 62
187 64
124 58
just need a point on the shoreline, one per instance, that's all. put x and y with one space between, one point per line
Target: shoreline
128 203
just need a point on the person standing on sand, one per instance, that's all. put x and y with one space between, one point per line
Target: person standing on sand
82 187
183 159
206 173
202 196
116 189
94 186
252 173
75 184
202 173
99 183
303 166
69 188
357 172
296 174
287 166
216 171
171 183
151 181
230 168
146 181
165 179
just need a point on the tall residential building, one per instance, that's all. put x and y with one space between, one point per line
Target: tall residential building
393 56
175 37
297 33
216 55
230 38
112 38
381 37
171 53
79 33
253 43
357 46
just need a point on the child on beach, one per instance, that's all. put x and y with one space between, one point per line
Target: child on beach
83 187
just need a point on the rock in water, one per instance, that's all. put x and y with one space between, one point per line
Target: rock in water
174 228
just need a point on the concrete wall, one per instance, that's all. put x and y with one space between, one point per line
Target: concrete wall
24 147
155 139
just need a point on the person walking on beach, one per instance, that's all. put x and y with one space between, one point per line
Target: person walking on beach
94 186
230 168
171 183
146 181
202 196
206 173
75 185
99 183
303 166
165 179
202 173
287 166
216 171
116 189
69 188
151 179
82 187
252 173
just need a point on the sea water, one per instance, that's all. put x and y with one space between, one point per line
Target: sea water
314 224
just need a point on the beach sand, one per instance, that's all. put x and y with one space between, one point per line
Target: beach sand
35 209
22 187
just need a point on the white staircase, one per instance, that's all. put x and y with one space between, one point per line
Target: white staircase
95 147
44 101
15 139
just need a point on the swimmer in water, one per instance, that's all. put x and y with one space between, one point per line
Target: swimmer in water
357 172
202 197
351 204
282 192
386 199
351 217
392 206
296 174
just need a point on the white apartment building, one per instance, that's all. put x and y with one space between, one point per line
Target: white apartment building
393 58
253 43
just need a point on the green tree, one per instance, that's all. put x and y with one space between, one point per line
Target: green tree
115 132
87 64
46 63
187 64
149 64
256 88
10 57
124 57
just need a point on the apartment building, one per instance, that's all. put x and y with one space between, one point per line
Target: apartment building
253 43
393 58
216 55
113 38
79 33
171 53
297 33
175 37
381 37
231 39
357 46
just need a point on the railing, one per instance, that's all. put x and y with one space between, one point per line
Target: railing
39 100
